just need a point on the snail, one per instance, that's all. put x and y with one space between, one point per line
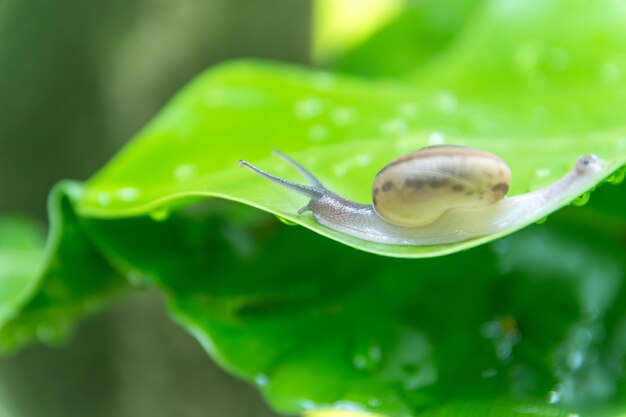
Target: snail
437 195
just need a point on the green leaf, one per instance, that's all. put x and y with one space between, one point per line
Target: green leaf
21 258
502 329
191 149
536 94
49 291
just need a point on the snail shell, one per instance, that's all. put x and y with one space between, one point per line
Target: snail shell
418 188
438 195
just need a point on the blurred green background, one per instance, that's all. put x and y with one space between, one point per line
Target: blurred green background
77 80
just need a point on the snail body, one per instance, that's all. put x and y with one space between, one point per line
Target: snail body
437 195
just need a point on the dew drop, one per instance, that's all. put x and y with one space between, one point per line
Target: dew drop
405 145
558 59
160 214
489 373
528 56
617 177
128 194
359 361
575 359
309 108
554 397
323 81
446 101
104 198
74 190
136 278
363 160
367 358
436 138
409 110
261 380
374 402
504 351
504 335
582 200
343 116
542 220
341 170
501 246
185 172
542 172
610 73
318 133
394 127
286 221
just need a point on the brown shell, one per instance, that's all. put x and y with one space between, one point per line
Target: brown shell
418 188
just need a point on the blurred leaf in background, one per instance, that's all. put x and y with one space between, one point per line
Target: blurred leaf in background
342 25
21 257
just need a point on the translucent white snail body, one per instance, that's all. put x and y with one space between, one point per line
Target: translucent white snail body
438 195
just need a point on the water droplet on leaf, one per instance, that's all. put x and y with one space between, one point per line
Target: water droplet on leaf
323 81
363 160
542 172
610 73
160 214
104 198
136 278
286 221
374 402
409 110
343 116
528 56
446 101
261 380
185 172
617 177
367 357
309 108
501 246
554 397
582 200
394 127
318 133
436 138
558 59
128 194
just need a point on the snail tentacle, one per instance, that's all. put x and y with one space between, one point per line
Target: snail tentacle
302 170
306 190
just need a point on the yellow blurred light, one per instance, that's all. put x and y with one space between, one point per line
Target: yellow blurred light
342 24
